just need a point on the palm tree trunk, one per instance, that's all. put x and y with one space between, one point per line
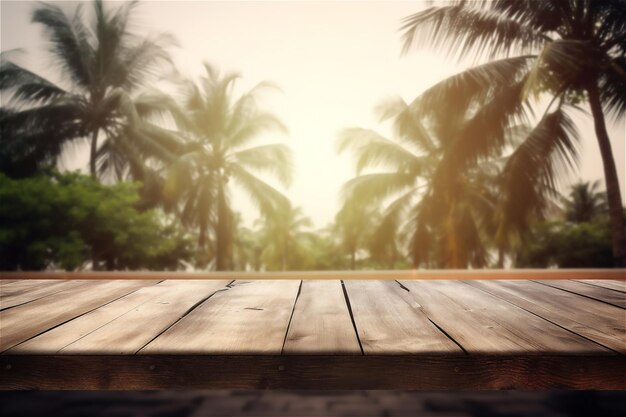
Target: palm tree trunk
223 236
93 153
94 260
500 263
283 261
613 192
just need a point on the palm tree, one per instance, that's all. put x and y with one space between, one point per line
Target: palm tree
220 128
247 246
440 213
352 225
103 63
585 202
284 236
568 49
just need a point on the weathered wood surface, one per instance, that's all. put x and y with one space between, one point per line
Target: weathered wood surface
312 334
127 324
247 318
387 323
599 322
616 284
485 324
321 321
22 292
25 321
616 298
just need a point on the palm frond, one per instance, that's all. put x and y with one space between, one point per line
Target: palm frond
373 150
377 187
563 63
458 92
26 85
253 126
142 62
112 159
531 175
613 88
265 197
463 30
33 138
69 42
408 125
156 105
246 107
274 159
485 134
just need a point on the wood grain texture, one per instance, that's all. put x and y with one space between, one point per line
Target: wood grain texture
55 339
617 285
23 322
484 324
21 292
16 288
248 318
321 322
422 372
131 331
388 323
126 323
603 323
605 295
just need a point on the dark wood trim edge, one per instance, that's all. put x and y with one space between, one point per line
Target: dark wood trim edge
415 372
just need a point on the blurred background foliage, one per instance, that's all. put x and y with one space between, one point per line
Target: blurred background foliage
68 220
469 179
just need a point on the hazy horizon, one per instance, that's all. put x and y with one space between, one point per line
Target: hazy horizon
334 62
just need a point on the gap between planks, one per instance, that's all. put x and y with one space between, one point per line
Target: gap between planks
517 298
31 320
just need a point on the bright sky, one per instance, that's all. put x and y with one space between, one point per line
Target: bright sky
334 62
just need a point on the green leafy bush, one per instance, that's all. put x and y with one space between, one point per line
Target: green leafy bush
68 220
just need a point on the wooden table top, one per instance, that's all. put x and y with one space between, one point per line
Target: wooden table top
300 320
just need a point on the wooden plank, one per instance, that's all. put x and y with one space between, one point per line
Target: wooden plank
131 331
597 321
22 292
119 314
484 324
250 318
421 274
55 339
23 322
606 295
388 323
14 288
411 372
617 285
321 322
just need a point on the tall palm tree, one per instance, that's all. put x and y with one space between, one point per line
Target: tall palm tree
440 212
585 202
103 64
567 49
220 127
284 234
